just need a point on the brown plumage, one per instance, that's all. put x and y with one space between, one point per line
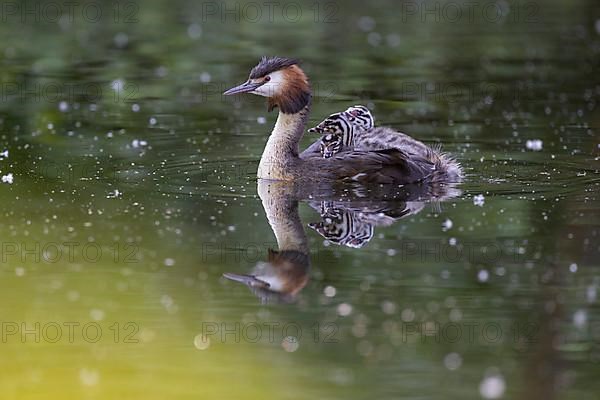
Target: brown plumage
445 167
296 93
282 276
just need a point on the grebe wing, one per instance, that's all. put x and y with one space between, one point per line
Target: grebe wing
382 166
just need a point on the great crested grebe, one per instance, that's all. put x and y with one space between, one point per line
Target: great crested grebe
286 86
339 129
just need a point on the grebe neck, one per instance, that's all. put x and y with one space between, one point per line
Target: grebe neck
282 149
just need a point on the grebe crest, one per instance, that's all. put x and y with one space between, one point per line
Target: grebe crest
341 128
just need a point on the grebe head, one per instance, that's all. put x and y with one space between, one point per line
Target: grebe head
279 79
355 118
331 144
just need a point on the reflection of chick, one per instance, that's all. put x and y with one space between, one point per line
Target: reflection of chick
352 225
284 273
343 227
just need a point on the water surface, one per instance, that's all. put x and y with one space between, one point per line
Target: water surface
134 189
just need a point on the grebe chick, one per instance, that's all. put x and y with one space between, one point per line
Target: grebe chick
353 129
286 86
340 129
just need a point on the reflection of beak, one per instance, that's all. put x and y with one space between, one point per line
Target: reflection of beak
243 88
247 280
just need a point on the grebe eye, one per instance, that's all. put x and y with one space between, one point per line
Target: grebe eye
267 78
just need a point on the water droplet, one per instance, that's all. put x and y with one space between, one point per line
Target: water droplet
483 275
121 39
201 342
89 377
573 267
374 39
169 262
393 40
479 200
447 225
388 307
366 24
453 361
329 291
290 344
344 309
534 145
138 143
407 315
194 31
492 387
580 318
205 77
96 314
117 85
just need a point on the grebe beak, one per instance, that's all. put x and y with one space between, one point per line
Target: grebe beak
246 279
243 88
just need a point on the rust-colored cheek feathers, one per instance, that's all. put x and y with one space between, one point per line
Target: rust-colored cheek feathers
295 94
292 269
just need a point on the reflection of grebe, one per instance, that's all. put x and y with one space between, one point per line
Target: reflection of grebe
285 272
287 87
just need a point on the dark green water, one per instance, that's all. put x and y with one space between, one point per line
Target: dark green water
134 189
